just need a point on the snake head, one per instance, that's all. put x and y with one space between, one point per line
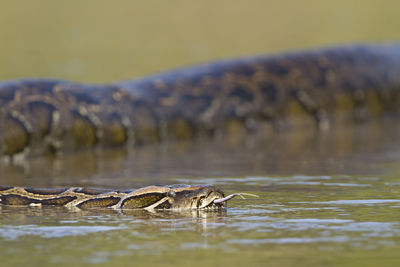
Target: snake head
175 197
195 197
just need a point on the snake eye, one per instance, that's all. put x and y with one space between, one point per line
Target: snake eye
171 193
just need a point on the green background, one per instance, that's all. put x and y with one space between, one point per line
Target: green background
103 41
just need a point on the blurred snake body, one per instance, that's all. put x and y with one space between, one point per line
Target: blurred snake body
312 90
268 94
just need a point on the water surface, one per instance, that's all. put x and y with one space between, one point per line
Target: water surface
333 202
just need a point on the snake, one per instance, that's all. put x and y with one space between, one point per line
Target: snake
314 90
171 197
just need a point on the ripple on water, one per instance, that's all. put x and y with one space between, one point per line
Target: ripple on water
353 202
322 221
252 179
291 240
12 232
265 180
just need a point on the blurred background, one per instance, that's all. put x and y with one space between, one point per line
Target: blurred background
103 41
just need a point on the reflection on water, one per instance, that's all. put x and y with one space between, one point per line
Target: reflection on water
324 200
368 150
13 232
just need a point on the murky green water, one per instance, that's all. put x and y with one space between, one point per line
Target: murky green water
297 221
326 200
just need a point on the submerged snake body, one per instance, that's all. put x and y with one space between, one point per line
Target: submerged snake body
318 89
175 197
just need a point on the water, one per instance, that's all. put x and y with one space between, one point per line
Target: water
320 204
297 220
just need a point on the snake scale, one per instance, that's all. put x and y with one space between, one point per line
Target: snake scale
175 197
269 94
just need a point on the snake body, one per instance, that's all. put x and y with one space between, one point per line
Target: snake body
175 197
312 90
315 89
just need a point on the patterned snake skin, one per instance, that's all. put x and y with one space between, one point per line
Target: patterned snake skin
307 90
175 197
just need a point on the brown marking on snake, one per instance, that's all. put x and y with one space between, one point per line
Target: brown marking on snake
45 191
142 201
101 202
17 137
83 131
42 114
14 199
92 191
60 201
